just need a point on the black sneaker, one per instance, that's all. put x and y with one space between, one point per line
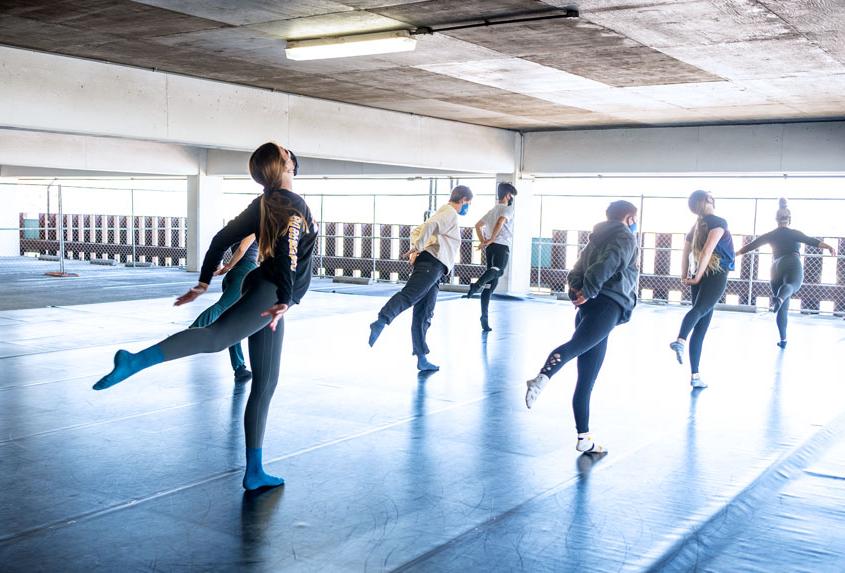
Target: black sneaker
242 375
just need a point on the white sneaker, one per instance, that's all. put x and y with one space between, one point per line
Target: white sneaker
587 445
696 382
535 386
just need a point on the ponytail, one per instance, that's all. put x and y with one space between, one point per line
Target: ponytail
267 166
784 215
699 235
276 216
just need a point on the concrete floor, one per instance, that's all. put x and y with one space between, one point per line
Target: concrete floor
387 470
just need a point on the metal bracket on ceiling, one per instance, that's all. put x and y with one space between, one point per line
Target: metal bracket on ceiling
569 12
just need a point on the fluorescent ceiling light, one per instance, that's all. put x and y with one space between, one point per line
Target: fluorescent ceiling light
355 45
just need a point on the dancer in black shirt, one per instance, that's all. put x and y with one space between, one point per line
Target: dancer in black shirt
787 273
286 236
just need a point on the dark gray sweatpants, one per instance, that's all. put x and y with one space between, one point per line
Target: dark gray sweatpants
241 320
787 277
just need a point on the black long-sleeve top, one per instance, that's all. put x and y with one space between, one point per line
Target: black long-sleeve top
783 240
290 267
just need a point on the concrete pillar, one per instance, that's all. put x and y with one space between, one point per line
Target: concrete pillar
517 277
205 216
10 218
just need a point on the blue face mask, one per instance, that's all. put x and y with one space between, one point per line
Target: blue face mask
464 209
633 227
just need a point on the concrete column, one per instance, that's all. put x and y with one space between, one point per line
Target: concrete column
205 216
10 218
517 277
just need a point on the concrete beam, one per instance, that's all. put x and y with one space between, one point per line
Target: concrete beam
234 163
69 153
765 148
45 92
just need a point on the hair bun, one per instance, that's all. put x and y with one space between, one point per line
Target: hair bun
782 203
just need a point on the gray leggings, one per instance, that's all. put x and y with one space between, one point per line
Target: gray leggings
787 277
242 319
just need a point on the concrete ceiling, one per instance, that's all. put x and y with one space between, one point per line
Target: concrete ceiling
622 63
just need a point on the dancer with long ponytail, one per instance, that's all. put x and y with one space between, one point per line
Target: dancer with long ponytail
787 273
712 247
286 236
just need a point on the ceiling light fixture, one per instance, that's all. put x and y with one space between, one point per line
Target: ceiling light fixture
396 40
355 45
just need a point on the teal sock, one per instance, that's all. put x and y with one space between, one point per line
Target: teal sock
255 477
126 364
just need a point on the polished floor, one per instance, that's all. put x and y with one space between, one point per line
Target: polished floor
387 470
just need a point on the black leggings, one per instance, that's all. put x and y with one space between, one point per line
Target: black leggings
497 259
242 319
705 295
593 323
787 277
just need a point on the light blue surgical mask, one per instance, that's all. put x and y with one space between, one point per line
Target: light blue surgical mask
464 209
633 227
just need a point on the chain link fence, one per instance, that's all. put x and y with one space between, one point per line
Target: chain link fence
65 225
663 224
364 235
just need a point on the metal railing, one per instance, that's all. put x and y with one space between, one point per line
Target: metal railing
55 223
662 222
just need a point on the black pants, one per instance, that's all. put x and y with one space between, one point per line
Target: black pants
420 292
241 320
705 295
497 260
787 277
593 323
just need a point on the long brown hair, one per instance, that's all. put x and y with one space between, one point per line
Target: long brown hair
267 165
699 235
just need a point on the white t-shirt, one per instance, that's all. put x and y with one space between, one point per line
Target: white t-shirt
440 235
505 236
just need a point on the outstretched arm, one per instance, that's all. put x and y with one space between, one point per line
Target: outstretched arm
246 223
823 245
236 256
754 245
813 242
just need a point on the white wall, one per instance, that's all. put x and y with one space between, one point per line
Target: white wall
45 92
766 148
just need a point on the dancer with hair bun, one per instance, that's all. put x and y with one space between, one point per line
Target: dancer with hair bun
787 273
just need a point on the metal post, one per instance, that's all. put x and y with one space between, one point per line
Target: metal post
641 242
372 240
540 249
132 225
61 225
322 232
755 260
